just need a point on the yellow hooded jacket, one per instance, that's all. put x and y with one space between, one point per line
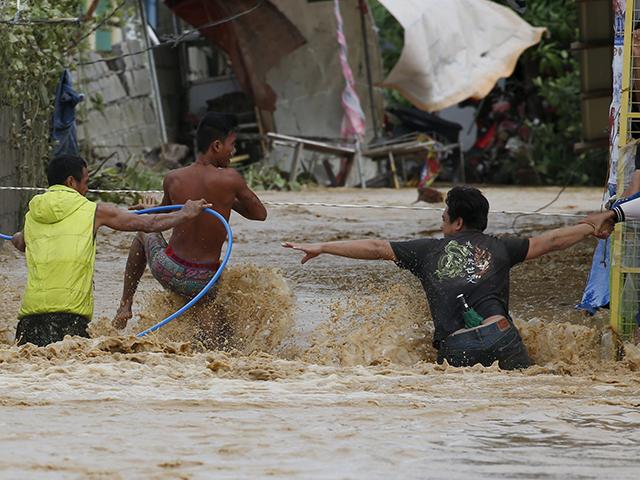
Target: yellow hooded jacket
61 253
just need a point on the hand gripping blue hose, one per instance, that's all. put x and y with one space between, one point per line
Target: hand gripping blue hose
213 280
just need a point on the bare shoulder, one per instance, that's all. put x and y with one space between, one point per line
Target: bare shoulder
232 173
172 178
232 177
173 174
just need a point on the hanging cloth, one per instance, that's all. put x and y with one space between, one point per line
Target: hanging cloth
63 124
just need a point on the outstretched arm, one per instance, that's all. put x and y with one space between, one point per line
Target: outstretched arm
559 239
359 249
118 219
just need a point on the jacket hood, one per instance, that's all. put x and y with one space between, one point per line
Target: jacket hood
56 204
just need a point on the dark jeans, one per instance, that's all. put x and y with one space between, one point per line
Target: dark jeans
47 328
497 341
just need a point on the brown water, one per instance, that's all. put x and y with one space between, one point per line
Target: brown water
327 372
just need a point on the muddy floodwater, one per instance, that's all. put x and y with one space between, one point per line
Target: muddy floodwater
327 369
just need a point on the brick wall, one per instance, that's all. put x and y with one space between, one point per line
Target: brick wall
117 114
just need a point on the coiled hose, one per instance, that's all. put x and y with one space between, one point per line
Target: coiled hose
207 287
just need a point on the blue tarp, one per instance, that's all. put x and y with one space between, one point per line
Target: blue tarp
596 293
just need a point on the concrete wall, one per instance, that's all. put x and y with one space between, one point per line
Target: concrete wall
117 114
9 201
22 166
169 77
309 82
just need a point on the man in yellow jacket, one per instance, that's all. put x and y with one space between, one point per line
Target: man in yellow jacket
59 239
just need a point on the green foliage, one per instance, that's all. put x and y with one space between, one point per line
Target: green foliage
390 35
97 102
553 139
132 175
556 120
32 58
260 176
391 38
560 17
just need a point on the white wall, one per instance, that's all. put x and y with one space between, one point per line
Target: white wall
309 81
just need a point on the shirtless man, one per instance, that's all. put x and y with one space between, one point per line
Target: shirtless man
191 258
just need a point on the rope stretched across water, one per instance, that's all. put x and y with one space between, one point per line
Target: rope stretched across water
328 205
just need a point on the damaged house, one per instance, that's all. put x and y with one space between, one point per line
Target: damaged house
275 65
304 77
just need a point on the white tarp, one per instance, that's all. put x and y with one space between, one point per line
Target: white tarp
455 49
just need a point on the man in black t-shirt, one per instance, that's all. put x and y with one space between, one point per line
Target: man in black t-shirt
468 262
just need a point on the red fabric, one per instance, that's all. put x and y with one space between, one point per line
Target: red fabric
186 263
486 140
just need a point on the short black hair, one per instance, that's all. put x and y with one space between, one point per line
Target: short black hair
64 166
469 204
214 126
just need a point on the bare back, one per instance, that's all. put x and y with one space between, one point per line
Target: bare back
200 240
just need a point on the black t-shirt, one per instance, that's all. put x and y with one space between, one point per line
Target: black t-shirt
468 262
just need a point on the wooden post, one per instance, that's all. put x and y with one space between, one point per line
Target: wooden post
462 178
295 158
263 139
364 9
91 10
155 86
358 156
394 173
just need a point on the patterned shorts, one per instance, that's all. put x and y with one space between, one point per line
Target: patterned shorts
179 276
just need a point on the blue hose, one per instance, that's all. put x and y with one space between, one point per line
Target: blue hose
207 287
211 282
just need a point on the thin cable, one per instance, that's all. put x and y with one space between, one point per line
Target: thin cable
174 41
42 21
546 205
184 35
324 204
405 207
124 55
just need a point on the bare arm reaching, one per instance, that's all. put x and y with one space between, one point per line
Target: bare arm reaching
358 249
558 239
118 219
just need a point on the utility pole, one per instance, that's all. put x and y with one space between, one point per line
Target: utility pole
155 87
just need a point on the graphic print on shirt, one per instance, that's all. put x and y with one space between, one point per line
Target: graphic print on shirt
463 261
